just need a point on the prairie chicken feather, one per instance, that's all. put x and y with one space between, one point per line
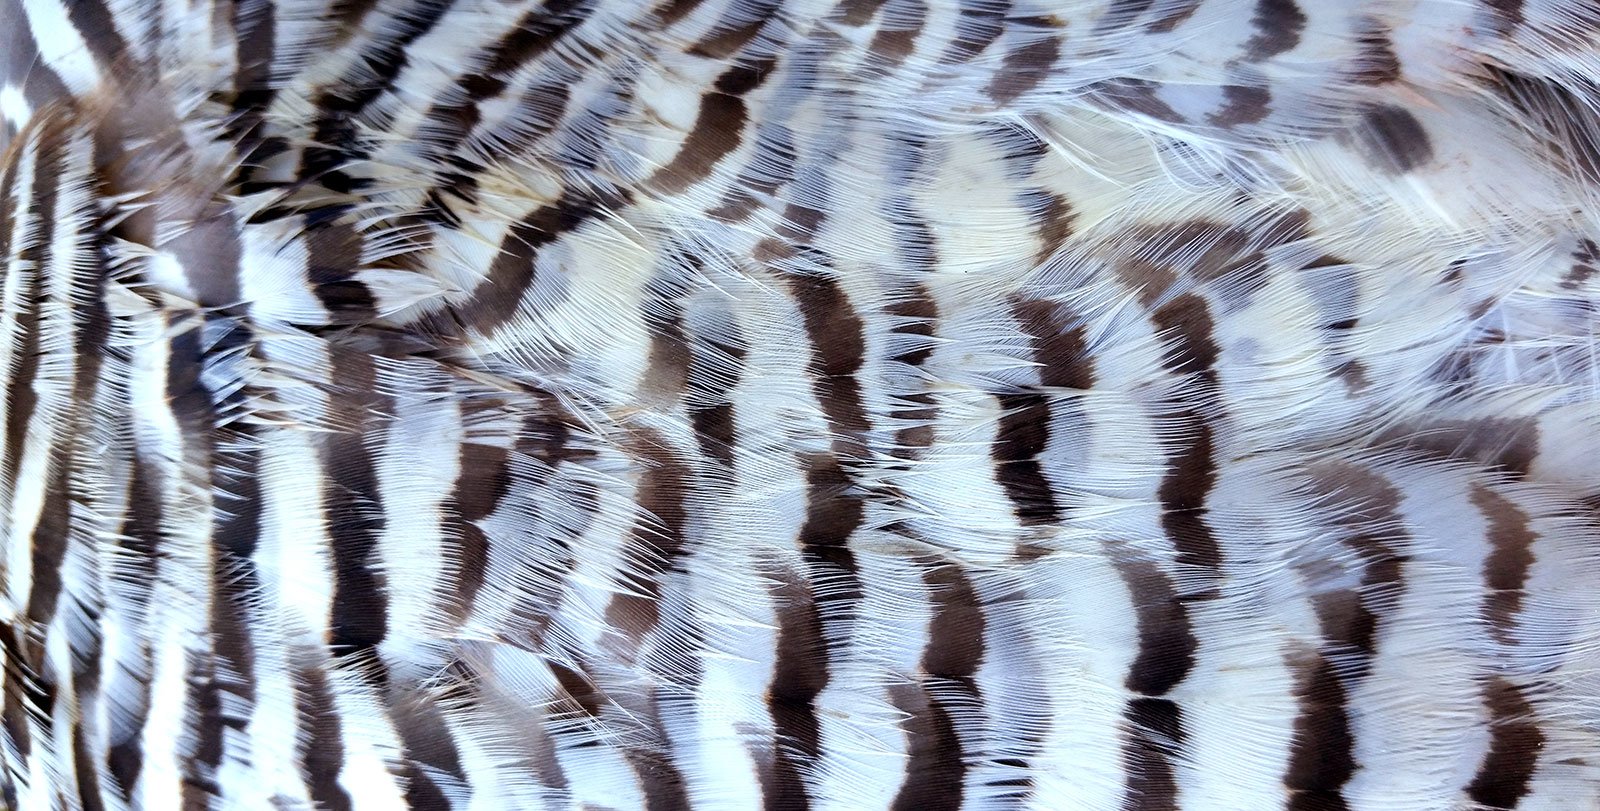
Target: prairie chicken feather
800 404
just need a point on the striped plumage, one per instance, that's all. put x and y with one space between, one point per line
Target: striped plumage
915 404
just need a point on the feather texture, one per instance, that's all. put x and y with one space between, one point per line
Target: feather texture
788 404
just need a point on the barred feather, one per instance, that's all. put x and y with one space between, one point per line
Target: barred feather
788 404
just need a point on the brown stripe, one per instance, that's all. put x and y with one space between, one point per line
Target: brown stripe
334 255
1321 758
1176 14
667 367
743 22
1367 508
1394 139
1509 14
426 739
84 765
896 37
1024 68
1241 104
1121 14
24 686
1155 735
1024 433
1505 569
1060 349
934 768
799 675
49 542
856 13
235 585
1167 643
320 742
761 178
40 84
980 24
1055 218
1279 24
672 11
716 367
451 121
1192 470
1515 741
483 479
659 535
1377 63
717 131
937 762
838 350
255 40
1138 96
535 34
336 141
833 513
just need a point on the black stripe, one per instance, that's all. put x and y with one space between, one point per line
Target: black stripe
532 36
383 61
354 506
203 721
20 397
93 22
499 296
